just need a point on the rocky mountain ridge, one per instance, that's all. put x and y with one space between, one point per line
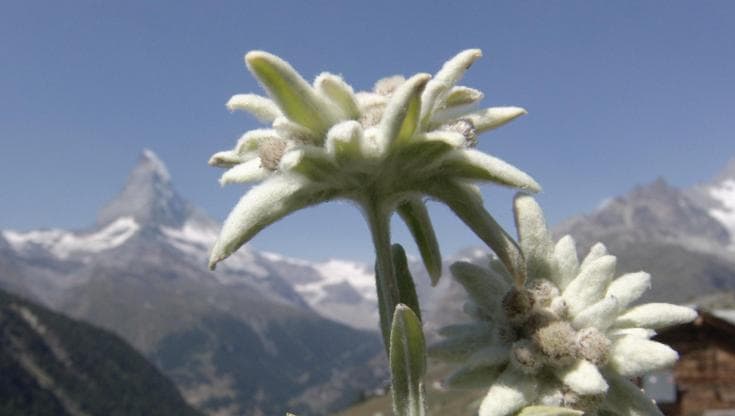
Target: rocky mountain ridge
141 272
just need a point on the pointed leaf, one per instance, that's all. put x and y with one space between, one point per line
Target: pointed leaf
226 159
260 207
438 88
590 285
334 88
598 250
484 288
250 171
415 215
424 155
655 316
407 363
294 96
489 118
583 378
534 237
459 96
627 399
406 288
629 287
452 138
467 205
401 116
511 392
549 411
632 356
565 253
600 315
473 164
262 108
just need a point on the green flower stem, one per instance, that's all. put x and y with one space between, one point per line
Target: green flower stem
378 218
468 206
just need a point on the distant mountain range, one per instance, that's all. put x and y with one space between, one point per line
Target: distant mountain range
53 366
267 333
245 340
684 237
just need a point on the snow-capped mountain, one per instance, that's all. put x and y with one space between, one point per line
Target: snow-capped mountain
717 197
683 237
141 271
64 244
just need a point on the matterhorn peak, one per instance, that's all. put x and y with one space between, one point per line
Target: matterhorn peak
150 161
148 196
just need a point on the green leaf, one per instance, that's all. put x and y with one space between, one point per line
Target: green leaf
459 96
261 206
534 237
294 96
334 88
548 411
406 288
438 88
483 287
225 159
263 109
473 164
401 115
407 363
494 117
415 215
250 171
420 155
467 204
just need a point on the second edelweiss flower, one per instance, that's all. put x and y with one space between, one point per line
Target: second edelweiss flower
384 150
568 337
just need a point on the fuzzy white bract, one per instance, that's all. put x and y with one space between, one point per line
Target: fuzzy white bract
384 150
567 337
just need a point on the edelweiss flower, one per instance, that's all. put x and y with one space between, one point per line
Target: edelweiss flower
568 337
384 150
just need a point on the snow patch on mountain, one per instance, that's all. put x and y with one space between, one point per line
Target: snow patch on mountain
334 272
196 237
193 237
331 273
724 193
63 244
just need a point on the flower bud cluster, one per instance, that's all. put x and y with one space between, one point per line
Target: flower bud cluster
543 335
568 336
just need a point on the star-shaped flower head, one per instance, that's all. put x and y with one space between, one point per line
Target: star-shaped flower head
568 337
384 150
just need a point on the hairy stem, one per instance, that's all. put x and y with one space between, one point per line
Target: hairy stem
378 218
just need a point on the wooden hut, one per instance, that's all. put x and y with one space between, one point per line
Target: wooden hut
703 380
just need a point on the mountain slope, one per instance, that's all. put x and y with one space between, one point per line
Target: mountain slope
666 232
51 365
141 273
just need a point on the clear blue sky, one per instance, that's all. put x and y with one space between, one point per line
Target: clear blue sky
618 94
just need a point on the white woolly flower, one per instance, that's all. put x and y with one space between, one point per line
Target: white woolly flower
568 337
384 150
